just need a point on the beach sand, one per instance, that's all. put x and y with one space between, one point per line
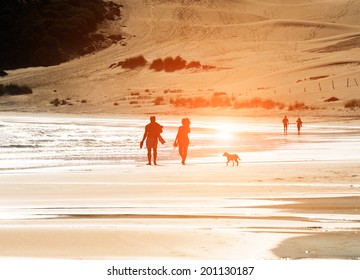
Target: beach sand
263 209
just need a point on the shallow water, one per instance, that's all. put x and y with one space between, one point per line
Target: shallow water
39 141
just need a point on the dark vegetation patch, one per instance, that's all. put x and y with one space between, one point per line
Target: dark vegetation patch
318 77
314 78
190 102
332 99
173 91
13 89
223 100
61 102
298 106
169 64
159 100
49 32
217 99
3 73
134 62
57 102
259 103
353 104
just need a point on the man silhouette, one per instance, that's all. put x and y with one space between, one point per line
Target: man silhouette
152 136
285 122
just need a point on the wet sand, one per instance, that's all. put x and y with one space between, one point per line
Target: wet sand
169 212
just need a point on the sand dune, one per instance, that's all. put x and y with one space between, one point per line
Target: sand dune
252 45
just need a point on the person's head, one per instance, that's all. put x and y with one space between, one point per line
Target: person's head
152 119
185 121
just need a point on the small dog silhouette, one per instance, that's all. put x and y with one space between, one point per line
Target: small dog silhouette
232 157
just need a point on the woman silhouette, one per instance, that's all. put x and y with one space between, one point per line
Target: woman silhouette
182 139
299 125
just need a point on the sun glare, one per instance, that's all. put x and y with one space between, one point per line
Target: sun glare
225 132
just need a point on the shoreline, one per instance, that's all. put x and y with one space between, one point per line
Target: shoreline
136 115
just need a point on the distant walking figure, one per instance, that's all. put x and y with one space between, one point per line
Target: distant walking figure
152 135
285 122
299 125
182 139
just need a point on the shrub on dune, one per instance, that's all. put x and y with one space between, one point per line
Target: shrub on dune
193 64
157 65
171 64
257 102
13 89
354 103
134 62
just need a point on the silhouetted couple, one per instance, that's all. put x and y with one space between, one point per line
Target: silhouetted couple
285 122
152 135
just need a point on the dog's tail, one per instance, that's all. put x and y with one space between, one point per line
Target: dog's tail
238 157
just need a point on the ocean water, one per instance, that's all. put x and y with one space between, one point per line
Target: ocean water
36 141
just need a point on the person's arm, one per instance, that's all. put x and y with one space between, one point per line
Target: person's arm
143 139
145 135
176 139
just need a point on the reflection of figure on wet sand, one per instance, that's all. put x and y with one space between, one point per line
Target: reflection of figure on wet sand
285 122
182 139
152 136
299 125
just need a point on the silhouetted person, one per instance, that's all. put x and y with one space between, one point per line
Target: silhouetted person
299 125
285 122
182 139
152 136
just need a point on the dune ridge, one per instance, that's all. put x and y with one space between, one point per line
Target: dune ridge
251 44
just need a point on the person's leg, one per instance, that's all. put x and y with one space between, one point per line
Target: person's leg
180 151
184 154
149 156
155 155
